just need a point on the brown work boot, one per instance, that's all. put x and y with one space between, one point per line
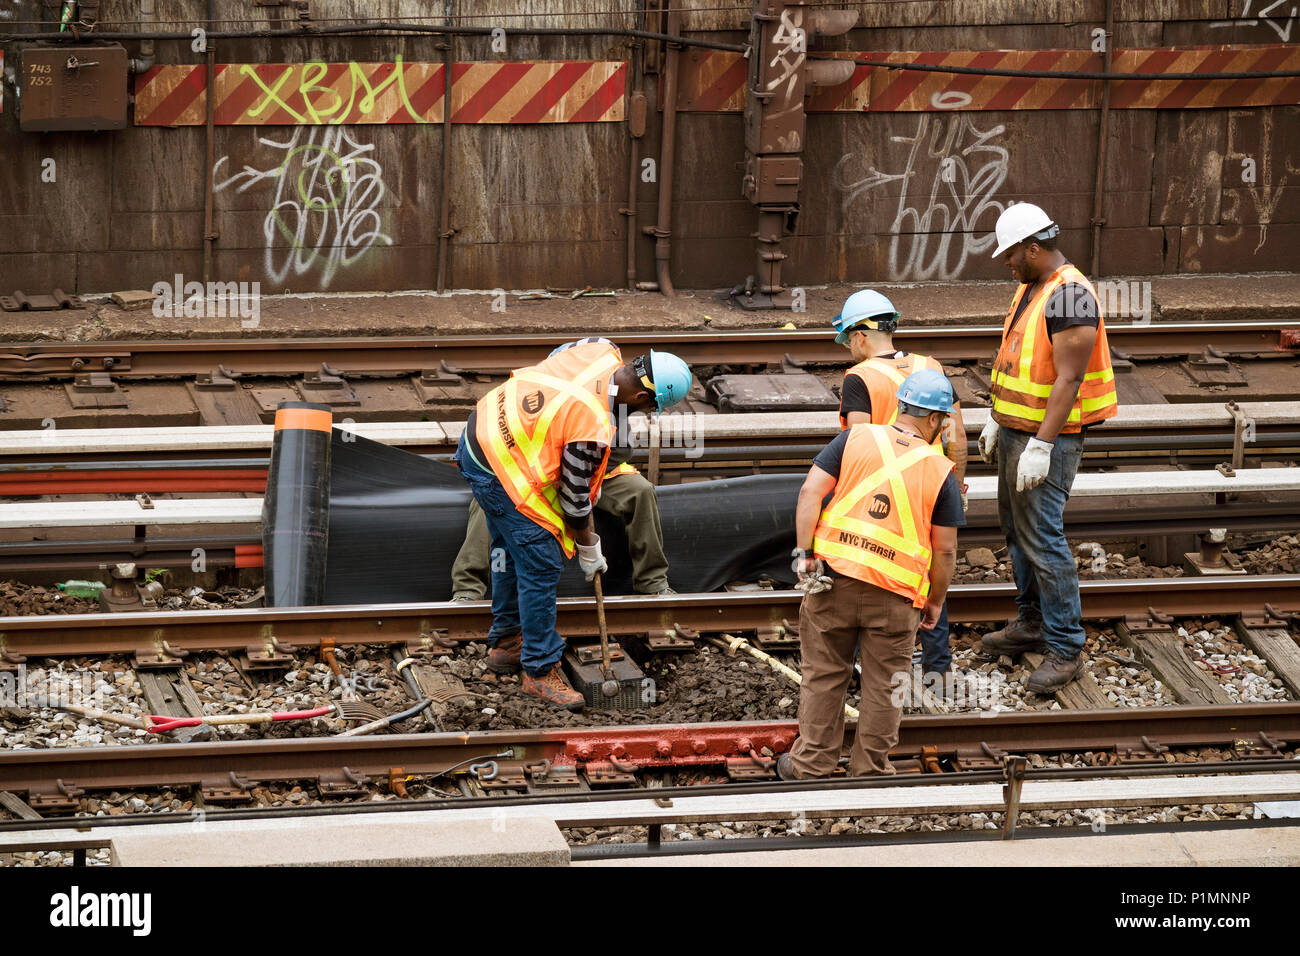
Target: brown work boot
1054 673
504 658
554 689
1015 638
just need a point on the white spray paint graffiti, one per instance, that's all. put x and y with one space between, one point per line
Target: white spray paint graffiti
791 49
326 202
968 169
1264 194
1266 14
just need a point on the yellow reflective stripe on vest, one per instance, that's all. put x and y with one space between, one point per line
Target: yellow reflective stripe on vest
524 488
872 560
1028 387
895 376
891 470
543 497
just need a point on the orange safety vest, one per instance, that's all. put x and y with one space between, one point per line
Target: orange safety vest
877 525
1023 372
524 424
627 468
884 376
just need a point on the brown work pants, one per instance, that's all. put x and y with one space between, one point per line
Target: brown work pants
881 626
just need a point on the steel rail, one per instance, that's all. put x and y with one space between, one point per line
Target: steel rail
485 353
88 634
981 529
231 766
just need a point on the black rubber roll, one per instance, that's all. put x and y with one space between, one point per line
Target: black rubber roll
296 508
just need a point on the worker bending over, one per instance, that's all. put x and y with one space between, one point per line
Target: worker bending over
625 494
1051 379
866 325
534 453
887 542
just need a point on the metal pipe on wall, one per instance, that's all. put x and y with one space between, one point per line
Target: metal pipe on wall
144 62
444 217
210 140
1103 132
636 112
667 146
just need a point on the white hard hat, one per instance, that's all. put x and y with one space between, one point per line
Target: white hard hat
1020 221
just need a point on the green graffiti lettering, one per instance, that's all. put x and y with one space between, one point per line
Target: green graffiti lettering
272 93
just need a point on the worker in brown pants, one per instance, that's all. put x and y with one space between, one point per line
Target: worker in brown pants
874 563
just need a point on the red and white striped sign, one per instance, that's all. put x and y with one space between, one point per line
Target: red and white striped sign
311 94
715 81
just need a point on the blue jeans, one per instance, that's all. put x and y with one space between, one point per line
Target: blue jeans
524 583
1034 523
936 654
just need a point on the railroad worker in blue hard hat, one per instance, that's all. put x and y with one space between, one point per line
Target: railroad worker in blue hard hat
874 563
866 326
534 453
1051 379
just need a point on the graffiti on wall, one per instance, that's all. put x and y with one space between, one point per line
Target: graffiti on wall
1261 184
950 180
1278 15
324 212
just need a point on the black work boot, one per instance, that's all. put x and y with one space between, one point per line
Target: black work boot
1015 638
1054 673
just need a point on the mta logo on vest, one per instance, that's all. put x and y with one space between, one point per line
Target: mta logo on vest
533 402
880 507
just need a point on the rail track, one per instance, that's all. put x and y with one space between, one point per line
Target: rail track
665 624
548 761
494 353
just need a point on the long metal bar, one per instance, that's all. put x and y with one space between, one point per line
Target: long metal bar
645 746
484 353
210 149
445 231
1103 141
626 615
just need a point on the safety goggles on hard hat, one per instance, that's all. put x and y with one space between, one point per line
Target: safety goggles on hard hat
878 323
644 373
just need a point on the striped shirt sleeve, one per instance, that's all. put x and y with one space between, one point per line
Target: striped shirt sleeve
578 469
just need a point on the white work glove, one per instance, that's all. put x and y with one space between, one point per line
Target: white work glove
591 560
988 441
812 579
1035 461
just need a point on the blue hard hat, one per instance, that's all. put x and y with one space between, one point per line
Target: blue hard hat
927 389
866 307
670 378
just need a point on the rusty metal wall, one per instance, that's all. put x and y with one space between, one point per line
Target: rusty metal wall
539 205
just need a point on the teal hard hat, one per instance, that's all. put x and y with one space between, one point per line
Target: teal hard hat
669 377
927 389
865 307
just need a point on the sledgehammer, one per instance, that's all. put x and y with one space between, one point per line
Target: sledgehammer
609 686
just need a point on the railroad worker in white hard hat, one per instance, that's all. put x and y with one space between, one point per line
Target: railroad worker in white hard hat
866 327
534 453
1051 379
886 544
